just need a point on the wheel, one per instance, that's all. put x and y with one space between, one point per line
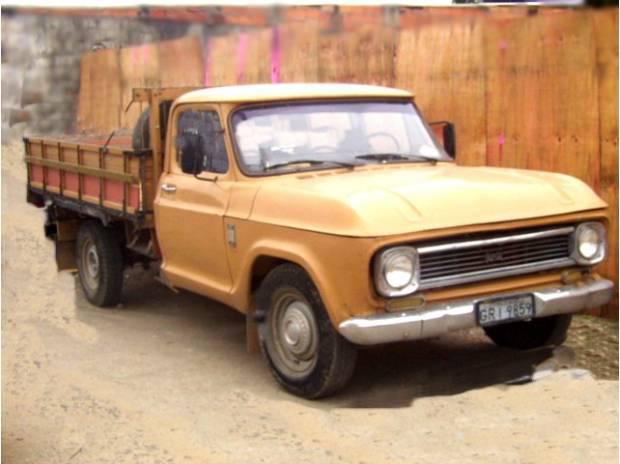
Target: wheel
526 335
307 356
140 139
100 264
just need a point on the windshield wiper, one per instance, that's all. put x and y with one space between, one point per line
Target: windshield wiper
312 162
394 157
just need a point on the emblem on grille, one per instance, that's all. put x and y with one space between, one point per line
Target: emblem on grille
493 257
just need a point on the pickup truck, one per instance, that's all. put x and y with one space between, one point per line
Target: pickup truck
332 215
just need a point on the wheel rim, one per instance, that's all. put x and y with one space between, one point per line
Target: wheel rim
295 335
91 268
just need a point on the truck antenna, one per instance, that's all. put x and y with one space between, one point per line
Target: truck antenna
105 145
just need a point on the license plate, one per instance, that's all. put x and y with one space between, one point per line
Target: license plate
506 309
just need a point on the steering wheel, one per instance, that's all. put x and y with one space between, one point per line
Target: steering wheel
385 134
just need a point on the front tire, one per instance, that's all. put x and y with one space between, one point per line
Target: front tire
527 335
100 264
307 356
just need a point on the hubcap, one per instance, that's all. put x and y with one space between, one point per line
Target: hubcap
92 261
296 329
294 335
90 265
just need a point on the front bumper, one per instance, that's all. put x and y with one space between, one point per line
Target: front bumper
438 318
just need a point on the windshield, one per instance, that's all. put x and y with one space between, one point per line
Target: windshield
301 136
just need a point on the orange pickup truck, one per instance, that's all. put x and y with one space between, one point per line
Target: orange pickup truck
332 215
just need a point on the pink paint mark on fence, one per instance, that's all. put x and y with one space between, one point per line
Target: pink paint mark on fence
242 56
146 53
275 55
141 55
207 60
134 55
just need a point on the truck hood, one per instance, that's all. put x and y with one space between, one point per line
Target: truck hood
381 200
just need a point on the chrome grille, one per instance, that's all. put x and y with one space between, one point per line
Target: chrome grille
490 256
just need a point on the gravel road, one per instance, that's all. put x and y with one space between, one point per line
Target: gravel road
165 378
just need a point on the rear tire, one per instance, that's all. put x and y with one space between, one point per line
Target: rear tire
527 335
307 356
100 264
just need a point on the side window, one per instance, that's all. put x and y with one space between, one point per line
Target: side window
201 132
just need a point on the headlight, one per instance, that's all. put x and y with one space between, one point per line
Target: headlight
589 244
396 271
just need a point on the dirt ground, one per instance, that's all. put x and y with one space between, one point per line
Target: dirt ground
165 378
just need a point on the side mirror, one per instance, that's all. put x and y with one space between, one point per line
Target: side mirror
445 133
191 150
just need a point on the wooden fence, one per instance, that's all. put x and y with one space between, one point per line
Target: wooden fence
527 88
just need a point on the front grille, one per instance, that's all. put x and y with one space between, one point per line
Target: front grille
489 256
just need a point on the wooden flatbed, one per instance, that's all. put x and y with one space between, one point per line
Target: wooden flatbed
105 181
99 176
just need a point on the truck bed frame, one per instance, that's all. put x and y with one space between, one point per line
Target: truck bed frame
105 182
79 179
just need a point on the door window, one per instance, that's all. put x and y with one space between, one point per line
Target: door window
206 125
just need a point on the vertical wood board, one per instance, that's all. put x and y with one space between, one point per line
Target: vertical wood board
443 65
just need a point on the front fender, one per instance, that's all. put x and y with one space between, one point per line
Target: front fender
338 266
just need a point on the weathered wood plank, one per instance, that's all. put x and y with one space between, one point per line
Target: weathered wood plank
100 92
300 52
442 63
220 65
139 68
340 53
605 27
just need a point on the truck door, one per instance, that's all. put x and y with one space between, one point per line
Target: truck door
189 209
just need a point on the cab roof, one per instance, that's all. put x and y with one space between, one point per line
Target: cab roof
275 92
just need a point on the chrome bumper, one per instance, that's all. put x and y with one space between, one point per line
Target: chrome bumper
438 318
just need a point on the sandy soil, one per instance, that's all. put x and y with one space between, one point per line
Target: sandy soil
165 379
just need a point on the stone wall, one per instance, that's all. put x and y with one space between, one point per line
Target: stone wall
41 63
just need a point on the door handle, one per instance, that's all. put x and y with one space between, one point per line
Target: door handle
168 188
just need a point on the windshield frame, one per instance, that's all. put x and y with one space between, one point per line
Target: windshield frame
246 172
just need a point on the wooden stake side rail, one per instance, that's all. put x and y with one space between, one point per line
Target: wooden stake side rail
110 179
